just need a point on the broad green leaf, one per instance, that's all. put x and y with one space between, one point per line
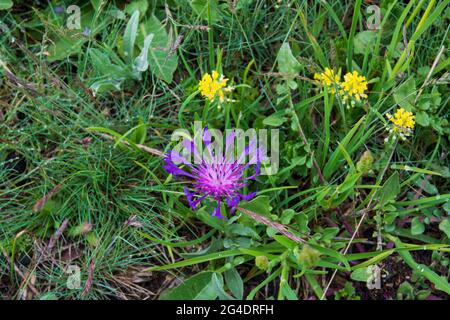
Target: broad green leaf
205 215
288 65
5 4
427 186
361 274
445 226
314 285
129 37
140 5
363 40
349 182
217 281
422 118
405 95
276 119
141 62
199 286
302 222
234 282
285 241
390 189
417 227
286 216
331 253
200 7
260 205
65 46
103 66
162 60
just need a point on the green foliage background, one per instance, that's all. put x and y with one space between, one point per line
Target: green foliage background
79 107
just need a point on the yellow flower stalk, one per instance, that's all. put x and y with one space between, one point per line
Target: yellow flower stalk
214 86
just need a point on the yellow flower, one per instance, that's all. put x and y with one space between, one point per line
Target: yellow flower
354 85
214 85
404 122
403 119
329 79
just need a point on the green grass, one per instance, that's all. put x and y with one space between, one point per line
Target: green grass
129 227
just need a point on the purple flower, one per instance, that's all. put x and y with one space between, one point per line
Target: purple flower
58 9
86 31
215 175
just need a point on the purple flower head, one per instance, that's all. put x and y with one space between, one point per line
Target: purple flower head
215 174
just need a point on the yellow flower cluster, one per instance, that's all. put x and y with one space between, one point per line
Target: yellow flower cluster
404 122
352 89
213 86
329 79
354 86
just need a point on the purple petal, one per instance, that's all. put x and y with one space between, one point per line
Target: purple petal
248 197
175 157
58 9
190 197
217 212
233 201
171 168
